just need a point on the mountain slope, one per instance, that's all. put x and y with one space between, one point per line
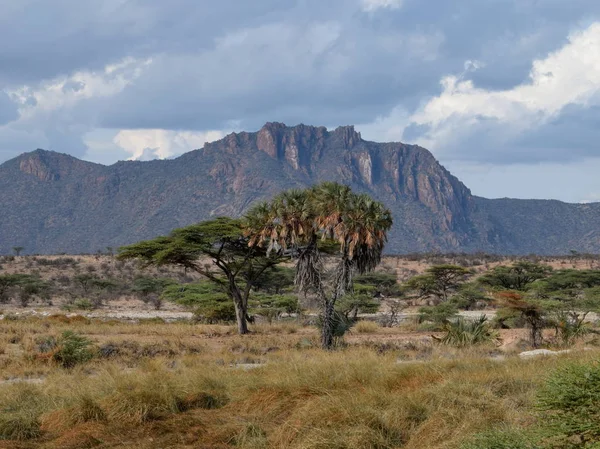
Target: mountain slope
56 203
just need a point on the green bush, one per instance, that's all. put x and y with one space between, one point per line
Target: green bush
341 325
569 403
438 315
72 349
465 333
210 304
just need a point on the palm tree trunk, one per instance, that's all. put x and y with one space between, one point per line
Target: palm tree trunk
328 323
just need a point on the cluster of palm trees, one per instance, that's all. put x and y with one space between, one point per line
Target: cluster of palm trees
327 218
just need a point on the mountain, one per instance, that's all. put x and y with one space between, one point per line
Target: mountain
55 203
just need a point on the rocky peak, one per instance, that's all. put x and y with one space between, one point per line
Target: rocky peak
348 135
297 145
49 166
39 163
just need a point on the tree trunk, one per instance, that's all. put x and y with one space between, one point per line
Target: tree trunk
328 318
240 316
241 311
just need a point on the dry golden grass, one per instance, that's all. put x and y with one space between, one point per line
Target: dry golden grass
180 385
365 327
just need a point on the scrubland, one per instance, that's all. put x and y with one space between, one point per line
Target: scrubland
72 381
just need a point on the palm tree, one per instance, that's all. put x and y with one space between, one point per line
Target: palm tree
294 221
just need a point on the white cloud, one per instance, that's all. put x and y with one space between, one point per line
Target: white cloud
160 143
57 114
67 91
372 5
568 76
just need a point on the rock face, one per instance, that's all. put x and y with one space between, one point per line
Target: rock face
55 203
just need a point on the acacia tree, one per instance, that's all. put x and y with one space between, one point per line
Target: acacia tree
299 223
235 266
518 276
438 280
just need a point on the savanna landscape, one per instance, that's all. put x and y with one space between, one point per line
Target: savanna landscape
290 328
299 224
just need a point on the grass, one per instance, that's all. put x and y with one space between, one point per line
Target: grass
178 385
366 327
351 398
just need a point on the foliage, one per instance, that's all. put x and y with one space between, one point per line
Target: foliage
340 325
469 295
462 332
275 280
24 285
72 349
273 306
439 314
533 312
568 282
235 267
394 307
518 276
209 303
294 222
570 405
383 284
150 289
351 304
438 280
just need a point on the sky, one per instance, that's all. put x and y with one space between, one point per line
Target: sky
504 93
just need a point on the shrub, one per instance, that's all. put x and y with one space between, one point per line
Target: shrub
341 325
72 349
438 315
366 327
465 333
570 402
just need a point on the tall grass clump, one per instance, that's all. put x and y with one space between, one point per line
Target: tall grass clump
20 409
366 327
154 395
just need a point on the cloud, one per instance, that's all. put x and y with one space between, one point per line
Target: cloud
470 123
55 114
372 5
160 144
8 109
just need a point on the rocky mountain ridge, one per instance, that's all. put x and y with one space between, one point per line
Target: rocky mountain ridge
55 203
